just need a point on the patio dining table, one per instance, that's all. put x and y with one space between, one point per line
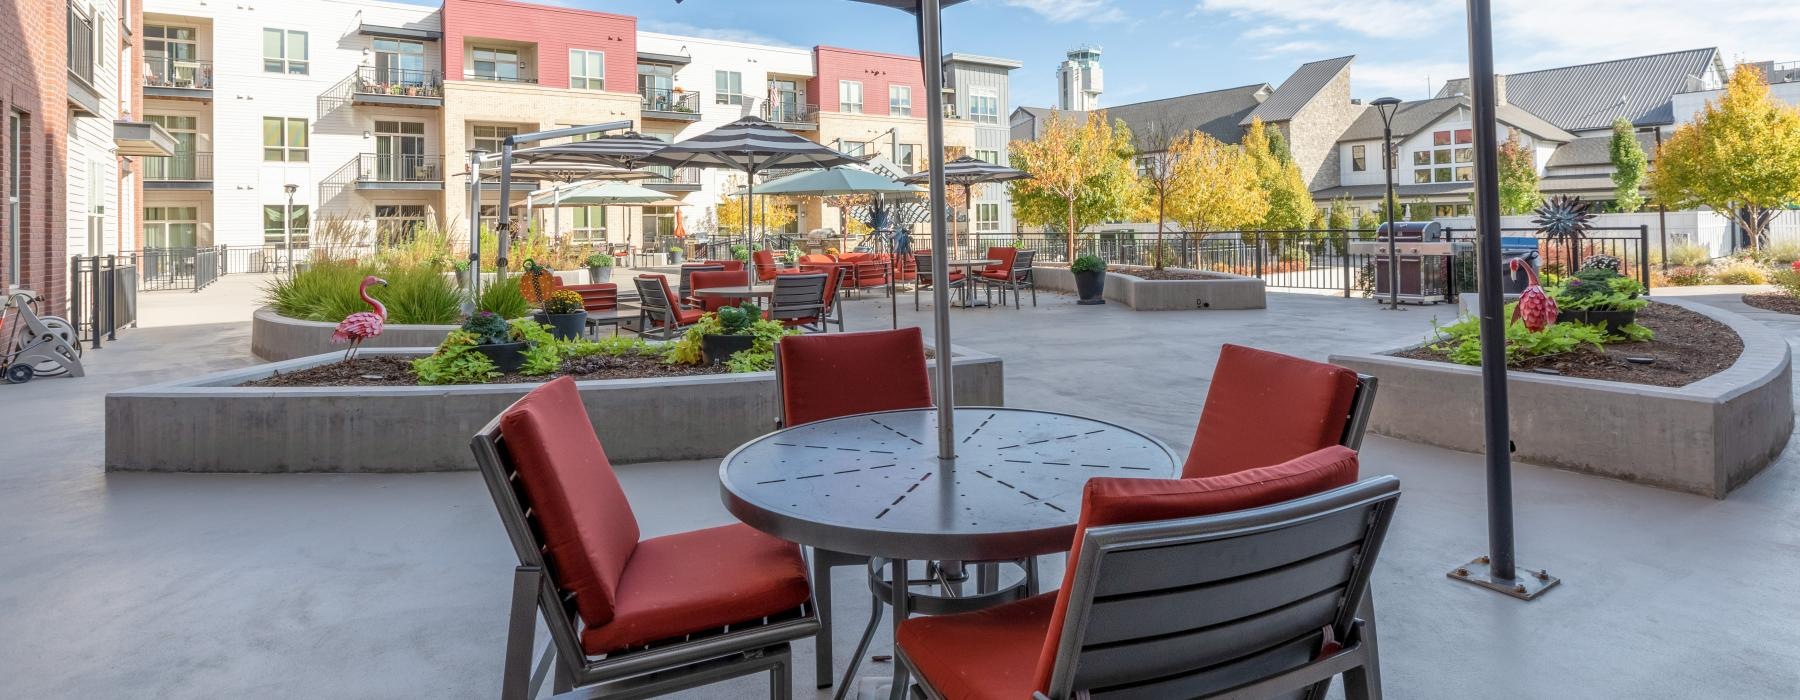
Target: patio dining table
969 273
873 485
736 291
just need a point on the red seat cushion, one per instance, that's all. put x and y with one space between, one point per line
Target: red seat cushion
701 580
713 279
1266 408
989 653
1004 256
827 376
683 316
729 265
588 528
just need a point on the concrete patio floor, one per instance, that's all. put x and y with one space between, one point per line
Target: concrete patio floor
368 586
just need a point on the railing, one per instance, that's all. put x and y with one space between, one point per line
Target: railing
181 167
666 175
776 111
167 72
161 269
102 296
668 100
375 167
396 82
1630 244
472 75
81 46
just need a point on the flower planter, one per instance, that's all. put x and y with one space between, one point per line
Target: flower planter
1090 286
506 356
717 349
1615 321
564 326
598 275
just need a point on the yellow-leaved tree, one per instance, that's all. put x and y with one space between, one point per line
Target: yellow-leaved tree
1215 187
1081 174
768 213
1740 156
1290 202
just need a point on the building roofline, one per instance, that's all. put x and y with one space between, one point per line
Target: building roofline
1713 49
560 9
797 50
1173 97
865 52
984 60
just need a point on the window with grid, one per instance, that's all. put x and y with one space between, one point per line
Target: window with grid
1450 159
850 96
274 233
906 157
284 51
398 223
285 139
590 225
899 100
728 87
988 155
984 107
587 69
488 137
987 217
495 64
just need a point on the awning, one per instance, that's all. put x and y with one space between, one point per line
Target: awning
668 59
142 139
399 32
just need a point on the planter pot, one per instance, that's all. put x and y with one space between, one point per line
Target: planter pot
597 275
1090 286
719 348
506 356
1615 321
674 257
563 326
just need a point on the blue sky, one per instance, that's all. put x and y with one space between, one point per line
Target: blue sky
1163 48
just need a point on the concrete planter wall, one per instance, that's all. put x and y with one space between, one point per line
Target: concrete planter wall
1219 291
208 424
274 337
1708 437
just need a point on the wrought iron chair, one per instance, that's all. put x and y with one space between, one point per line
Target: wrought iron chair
1016 278
659 316
1265 407
798 299
923 278
627 618
1268 597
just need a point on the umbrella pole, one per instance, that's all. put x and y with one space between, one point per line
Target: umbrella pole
930 49
556 211
474 280
749 231
504 230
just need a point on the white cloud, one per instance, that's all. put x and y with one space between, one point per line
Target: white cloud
1270 31
1409 80
1090 11
1301 46
1373 18
739 35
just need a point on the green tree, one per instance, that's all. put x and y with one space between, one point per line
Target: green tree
1740 157
1081 174
1290 202
1368 223
1629 165
1338 216
1518 176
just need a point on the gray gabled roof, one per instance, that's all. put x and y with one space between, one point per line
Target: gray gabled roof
1594 150
1590 96
1411 117
1216 113
1299 89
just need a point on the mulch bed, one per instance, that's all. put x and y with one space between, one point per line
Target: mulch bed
1773 301
1164 274
387 370
1688 347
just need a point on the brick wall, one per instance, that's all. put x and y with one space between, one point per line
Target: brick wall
554 31
876 71
33 35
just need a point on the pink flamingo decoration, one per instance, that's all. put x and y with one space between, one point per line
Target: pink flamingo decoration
362 325
1535 307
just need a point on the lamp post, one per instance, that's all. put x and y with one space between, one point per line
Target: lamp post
287 228
1386 106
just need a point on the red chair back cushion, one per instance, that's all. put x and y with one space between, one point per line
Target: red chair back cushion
668 289
729 265
828 375
765 264
587 525
816 259
1003 255
1266 408
1114 501
718 278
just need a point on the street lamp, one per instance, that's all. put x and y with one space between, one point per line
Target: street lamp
287 227
1386 106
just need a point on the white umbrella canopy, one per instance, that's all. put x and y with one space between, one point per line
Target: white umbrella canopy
840 180
600 193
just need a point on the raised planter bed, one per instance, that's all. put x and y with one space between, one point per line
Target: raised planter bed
1707 437
274 337
210 424
1218 290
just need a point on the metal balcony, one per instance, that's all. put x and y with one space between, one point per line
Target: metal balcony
375 171
187 171
673 105
396 87
178 79
673 179
798 117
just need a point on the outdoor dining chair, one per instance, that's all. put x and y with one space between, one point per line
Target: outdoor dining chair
798 299
687 281
628 617
711 279
1016 278
924 277
1265 407
659 315
764 260
1253 585
730 265
833 311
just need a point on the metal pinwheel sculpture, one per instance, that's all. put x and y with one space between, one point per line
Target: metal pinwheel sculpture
1565 220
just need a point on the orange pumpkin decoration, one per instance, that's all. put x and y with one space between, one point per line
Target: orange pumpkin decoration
537 283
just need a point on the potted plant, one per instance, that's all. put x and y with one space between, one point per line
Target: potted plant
494 338
599 267
730 332
1599 294
1090 279
564 314
674 255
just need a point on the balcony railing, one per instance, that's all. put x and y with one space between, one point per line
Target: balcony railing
181 167
396 82
667 100
666 175
166 72
377 167
471 75
789 113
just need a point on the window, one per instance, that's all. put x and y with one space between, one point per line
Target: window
987 155
854 148
96 208
1146 165
184 164
15 186
728 87
398 223
658 224
987 216
590 225
587 69
489 138
171 227
1421 176
899 100
1442 210
1445 162
1359 158
495 64
984 107
284 51
274 233
284 139
850 96
82 43
400 62
905 157
172 58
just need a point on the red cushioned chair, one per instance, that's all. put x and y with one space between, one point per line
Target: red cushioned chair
733 265
764 260
659 315
1003 257
1265 407
923 277
1249 585
713 279
634 617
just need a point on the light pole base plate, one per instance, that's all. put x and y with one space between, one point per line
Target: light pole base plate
1528 584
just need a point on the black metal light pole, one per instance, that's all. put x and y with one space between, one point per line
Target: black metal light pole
1386 107
1501 574
287 228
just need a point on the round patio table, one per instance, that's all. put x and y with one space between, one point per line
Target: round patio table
872 484
969 274
736 291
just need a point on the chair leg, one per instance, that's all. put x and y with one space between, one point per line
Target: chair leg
521 630
821 581
781 681
1364 682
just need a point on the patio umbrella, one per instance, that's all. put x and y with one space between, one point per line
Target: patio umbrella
969 172
608 193
565 172
624 149
750 145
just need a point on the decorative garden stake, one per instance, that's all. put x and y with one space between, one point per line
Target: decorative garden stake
1535 307
1566 220
362 325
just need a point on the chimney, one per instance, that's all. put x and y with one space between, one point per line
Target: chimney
1499 89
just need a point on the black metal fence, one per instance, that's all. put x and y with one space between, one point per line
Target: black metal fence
1629 244
102 296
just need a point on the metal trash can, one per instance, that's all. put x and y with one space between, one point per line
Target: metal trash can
1517 247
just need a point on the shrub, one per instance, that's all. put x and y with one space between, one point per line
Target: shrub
1293 254
1599 289
1088 263
1740 272
1602 260
597 259
455 362
1688 254
421 294
1784 252
563 301
1685 276
327 291
759 358
1788 279
1461 341
506 300
488 328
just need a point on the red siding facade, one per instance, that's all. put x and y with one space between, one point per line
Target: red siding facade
33 44
555 30
876 71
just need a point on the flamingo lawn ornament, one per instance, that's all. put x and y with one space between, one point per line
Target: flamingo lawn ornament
1536 308
362 325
